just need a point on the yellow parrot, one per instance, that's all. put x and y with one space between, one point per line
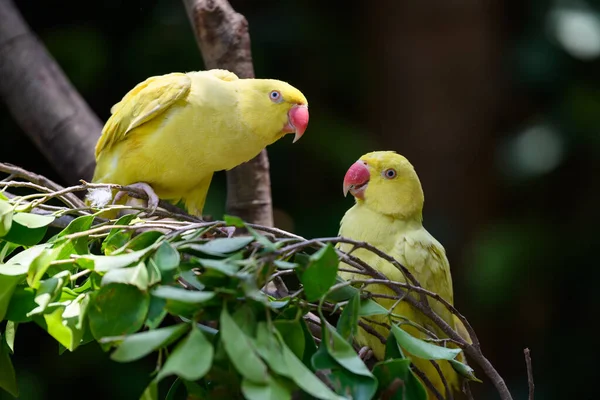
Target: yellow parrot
388 215
170 133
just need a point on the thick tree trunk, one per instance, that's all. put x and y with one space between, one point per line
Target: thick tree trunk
224 41
43 101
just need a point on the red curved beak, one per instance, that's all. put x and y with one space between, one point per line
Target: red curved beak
356 180
297 120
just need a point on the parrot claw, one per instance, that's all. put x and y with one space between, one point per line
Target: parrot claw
365 353
152 197
228 230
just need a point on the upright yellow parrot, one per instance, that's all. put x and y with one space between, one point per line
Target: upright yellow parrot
388 215
170 133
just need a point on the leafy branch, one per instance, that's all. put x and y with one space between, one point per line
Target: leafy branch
264 310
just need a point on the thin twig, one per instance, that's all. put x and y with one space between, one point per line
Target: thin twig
467 390
370 330
529 372
38 180
427 382
449 395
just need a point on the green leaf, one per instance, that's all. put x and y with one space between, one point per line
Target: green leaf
241 351
65 324
117 309
10 334
392 348
105 263
222 266
285 264
21 302
275 389
6 213
171 394
8 283
25 257
292 334
232 220
369 307
151 392
222 246
397 381
118 237
166 257
320 274
321 359
49 290
191 359
351 385
304 377
310 347
194 390
78 245
136 276
463 370
282 360
79 224
154 274
421 348
347 325
8 380
6 249
182 295
39 265
28 229
142 241
190 277
141 344
343 352
262 240
33 221
156 312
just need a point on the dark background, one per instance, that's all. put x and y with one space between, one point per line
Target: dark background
497 104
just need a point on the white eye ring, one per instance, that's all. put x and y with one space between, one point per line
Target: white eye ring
389 173
275 96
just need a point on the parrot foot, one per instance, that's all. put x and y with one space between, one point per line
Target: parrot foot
152 197
228 230
365 353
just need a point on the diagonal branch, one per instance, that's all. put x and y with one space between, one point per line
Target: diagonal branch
43 101
222 35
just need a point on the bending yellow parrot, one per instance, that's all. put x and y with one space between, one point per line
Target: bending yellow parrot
170 133
388 215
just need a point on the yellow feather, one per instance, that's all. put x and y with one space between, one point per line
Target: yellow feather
174 131
389 217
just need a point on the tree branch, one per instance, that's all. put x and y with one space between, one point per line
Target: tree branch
43 101
529 373
223 38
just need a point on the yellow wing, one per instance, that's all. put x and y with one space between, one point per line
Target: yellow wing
223 75
426 259
146 101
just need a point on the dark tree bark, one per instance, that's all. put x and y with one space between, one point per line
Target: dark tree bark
436 67
43 101
222 35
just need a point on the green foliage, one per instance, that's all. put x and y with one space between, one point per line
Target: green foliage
194 298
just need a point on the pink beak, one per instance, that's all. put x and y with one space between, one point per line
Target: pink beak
356 180
297 121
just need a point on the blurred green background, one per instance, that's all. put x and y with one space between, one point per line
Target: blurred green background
497 104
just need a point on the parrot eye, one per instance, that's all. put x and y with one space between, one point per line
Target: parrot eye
389 173
275 96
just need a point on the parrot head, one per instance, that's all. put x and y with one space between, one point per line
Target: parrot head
385 182
275 108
